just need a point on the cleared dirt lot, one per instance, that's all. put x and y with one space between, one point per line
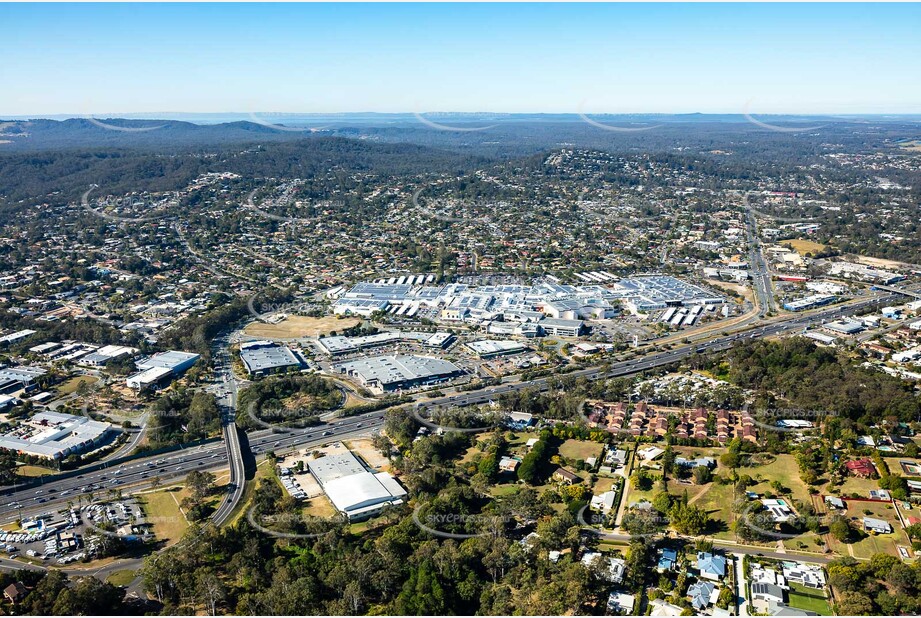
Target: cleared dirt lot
295 326
803 246
365 449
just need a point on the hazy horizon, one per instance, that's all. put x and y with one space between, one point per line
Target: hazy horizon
117 60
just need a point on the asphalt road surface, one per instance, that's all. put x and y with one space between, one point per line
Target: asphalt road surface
170 467
55 493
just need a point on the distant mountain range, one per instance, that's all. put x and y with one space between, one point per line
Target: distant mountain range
119 132
378 118
482 133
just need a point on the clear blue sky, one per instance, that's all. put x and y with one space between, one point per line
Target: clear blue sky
783 58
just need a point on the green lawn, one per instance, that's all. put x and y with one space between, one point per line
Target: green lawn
516 438
122 578
785 470
499 491
71 385
580 449
693 452
470 455
717 501
33 471
603 485
162 510
873 544
809 599
852 484
675 488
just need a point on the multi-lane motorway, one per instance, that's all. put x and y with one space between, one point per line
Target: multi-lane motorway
58 491
227 401
761 274
169 467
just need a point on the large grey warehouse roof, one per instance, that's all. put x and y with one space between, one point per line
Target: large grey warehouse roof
264 355
392 369
169 360
659 289
332 467
378 291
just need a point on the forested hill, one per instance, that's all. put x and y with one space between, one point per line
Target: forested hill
160 135
797 372
57 176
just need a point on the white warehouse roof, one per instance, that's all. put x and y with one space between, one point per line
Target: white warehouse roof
357 491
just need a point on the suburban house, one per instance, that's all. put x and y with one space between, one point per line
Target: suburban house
15 592
565 476
862 468
621 603
876 526
711 566
667 559
664 608
809 575
779 510
767 593
702 594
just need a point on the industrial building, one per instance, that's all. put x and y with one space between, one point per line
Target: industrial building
599 298
390 373
558 327
264 357
355 491
489 348
149 378
13 379
659 291
160 368
844 327
16 337
107 354
175 361
338 345
819 337
54 436
809 302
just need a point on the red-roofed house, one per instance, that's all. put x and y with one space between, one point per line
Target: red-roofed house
861 467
